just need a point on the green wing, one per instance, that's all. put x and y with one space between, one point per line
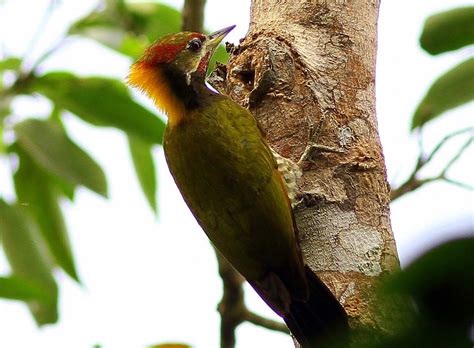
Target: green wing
227 175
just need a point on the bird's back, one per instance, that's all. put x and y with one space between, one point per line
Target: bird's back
228 177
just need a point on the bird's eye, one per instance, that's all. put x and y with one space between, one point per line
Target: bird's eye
194 45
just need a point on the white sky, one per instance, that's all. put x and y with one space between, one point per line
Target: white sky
148 281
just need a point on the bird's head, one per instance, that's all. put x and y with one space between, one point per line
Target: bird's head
170 65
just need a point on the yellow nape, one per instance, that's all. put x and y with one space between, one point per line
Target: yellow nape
151 81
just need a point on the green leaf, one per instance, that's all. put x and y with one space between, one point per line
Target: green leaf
11 63
66 189
22 247
51 149
451 262
133 46
454 88
448 31
141 153
5 105
16 288
38 196
441 282
154 19
170 345
438 288
102 102
220 55
117 39
129 28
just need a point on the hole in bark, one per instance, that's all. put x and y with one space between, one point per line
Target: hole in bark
246 76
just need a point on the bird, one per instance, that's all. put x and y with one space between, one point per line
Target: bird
228 177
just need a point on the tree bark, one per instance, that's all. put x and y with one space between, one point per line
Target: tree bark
306 70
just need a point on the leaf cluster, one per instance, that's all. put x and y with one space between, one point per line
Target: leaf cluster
47 166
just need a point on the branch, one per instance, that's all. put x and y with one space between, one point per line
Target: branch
48 53
232 306
413 183
459 184
264 322
193 15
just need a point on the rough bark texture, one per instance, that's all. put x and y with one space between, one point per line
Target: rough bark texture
306 70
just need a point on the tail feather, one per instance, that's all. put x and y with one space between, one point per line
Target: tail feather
320 321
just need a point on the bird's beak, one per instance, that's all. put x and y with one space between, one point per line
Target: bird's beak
215 38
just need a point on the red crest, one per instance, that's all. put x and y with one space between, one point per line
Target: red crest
166 49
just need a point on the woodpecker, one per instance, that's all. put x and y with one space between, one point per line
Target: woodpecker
228 177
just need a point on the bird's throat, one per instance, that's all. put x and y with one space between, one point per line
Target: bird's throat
169 90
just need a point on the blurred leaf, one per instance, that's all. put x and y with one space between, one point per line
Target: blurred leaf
141 153
67 189
133 46
117 39
38 196
5 105
442 282
22 249
420 335
220 55
448 31
16 288
154 19
5 109
48 145
131 28
55 115
454 88
171 345
102 102
10 64
2 144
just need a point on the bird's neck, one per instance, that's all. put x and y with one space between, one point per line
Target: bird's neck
170 91
192 94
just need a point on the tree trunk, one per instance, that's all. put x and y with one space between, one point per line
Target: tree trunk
306 70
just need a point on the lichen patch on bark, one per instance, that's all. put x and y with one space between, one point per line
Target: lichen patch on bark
329 242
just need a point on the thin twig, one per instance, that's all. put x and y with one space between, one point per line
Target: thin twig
264 322
421 161
48 53
413 183
40 30
445 139
458 183
456 157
